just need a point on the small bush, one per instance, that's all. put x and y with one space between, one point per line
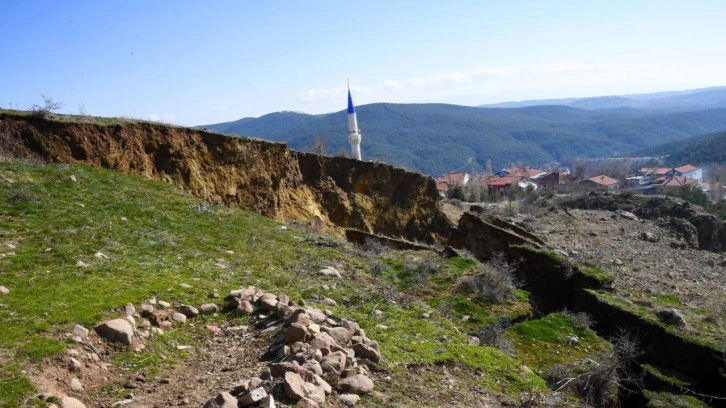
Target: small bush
599 381
49 105
492 335
493 283
373 246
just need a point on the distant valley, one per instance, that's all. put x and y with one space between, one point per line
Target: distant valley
438 138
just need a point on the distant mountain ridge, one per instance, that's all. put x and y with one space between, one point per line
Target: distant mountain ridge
438 138
676 101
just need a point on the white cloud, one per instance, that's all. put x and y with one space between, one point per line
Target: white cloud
153 117
535 73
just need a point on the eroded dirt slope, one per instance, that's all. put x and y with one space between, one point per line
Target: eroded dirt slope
255 175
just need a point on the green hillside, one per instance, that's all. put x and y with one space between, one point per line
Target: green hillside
158 242
698 150
437 138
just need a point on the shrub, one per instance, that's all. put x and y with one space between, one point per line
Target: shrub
49 105
493 283
599 381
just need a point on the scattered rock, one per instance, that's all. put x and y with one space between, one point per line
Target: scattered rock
222 400
79 331
474 341
572 340
648 236
628 215
188 311
330 272
357 384
244 308
307 403
671 317
70 402
185 285
293 386
179 317
208 308
115 330
81 264
164 304
367 351
349 400
129 309
4 290
253 397
74 365
329 302
76 385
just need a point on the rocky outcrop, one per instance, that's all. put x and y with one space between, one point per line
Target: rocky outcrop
255 175
697 228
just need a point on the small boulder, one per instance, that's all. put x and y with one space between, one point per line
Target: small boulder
648 236
253 397
74 365
208 308
4 290
294 386
115 330
188 311
330 272
179 317
367 351
222 400
244 307
349 400
357 384
76 385
70 402
79 331
295 332
307 403
671 317
329 302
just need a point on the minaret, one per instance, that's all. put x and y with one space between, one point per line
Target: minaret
354 136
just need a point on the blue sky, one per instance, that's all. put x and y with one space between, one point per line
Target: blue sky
200 62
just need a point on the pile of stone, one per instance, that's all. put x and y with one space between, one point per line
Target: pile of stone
309 345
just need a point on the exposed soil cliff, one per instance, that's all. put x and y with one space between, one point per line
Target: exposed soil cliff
252 174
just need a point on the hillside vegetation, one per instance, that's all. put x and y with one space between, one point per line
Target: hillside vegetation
698 150
57 219
438 138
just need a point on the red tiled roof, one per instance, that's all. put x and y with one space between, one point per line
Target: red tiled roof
502 181
675 181
686 168
524 171
603 180
452 178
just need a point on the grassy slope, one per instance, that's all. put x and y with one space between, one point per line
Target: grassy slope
156 238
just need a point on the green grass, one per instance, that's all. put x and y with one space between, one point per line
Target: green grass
598 274
668 300
542 343
699 331
668 400
155 238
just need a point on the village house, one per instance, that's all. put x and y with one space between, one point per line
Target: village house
602 181
449 180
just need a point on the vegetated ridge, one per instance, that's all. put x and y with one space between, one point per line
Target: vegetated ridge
710 148
251 174
439 138
343 193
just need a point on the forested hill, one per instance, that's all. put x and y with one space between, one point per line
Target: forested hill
437 138
698 150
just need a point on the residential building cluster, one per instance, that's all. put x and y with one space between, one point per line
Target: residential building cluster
650 179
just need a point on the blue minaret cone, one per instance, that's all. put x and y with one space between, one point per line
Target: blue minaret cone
354 136
351 108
